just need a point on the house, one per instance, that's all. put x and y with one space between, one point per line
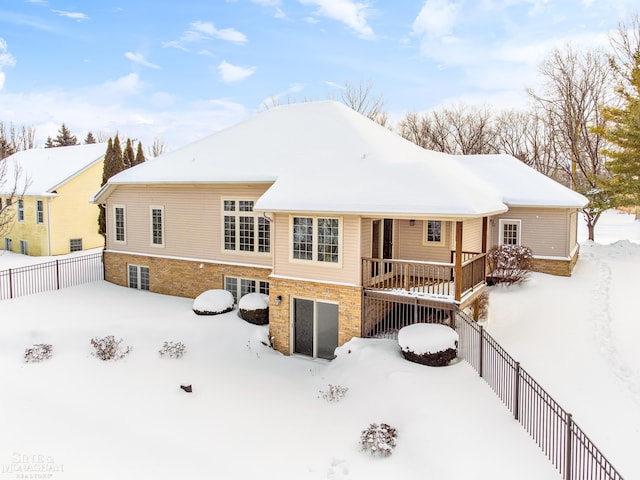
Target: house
54 215
349 228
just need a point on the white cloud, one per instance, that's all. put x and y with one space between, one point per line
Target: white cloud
78 16
227 34
128 85
233 73
436 18
139 58
175 44
352 14
6 60
266 3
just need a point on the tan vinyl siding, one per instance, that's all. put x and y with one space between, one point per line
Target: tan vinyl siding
346 271
545 231
472 235
573 232
192 220
411 245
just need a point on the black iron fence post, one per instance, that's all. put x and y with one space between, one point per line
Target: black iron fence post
10 284
480 348
569 447
516 393
57 274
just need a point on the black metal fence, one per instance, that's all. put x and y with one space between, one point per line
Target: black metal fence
550 426
52 275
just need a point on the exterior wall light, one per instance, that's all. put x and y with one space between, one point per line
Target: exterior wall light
278 299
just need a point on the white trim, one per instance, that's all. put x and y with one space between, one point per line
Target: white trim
124 215
256 226
314 239
311 280
425 230
509 221
549 257
189 259
163 225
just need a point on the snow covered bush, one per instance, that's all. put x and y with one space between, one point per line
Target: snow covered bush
334 393
38 352
431 344
172 350
254 308
213 302
508 264
108 348
378 440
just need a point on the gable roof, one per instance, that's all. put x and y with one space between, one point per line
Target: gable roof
48 168
520 185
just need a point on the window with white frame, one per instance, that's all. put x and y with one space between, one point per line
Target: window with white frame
75 244
24 247
138 277
433 231
241 286
8 244
39 211
244 230
316 238
119 223
510 232
21 210
157 226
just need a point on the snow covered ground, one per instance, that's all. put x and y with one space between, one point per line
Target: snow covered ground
255 413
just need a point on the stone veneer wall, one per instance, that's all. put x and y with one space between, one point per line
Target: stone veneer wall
349 299
555 267
182 278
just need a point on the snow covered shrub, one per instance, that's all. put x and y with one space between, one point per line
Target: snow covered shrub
483 306
431 344
172 350
213 302
378 440
254 308
508 264
108 348
39 352
334 393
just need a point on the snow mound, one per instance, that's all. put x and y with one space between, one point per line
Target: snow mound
254 301
213 302
425 338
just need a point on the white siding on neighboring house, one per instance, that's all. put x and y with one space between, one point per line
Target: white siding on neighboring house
192 216
347 271
546 231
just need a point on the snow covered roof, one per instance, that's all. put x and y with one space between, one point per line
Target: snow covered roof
48 168
520 185
325 157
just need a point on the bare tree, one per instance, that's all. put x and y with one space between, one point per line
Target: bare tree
361 98
577 84
157 148
14 139
13 184
625 43
459 130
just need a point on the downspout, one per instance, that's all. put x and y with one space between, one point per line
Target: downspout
49 223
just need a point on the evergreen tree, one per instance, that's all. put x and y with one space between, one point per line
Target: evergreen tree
139 156
49 143
128 157
623 131
112 165
89 139
64 137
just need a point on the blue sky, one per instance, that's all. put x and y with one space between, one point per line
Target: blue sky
179 70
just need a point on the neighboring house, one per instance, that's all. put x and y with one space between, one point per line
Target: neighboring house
54 216
349 228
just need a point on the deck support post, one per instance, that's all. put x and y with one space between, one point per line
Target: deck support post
458 262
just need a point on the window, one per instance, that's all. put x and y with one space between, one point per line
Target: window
510 232
244 230
24 247
138 277
433 231
119 224
241 286
39 211
21 210
322 246
157 226
75 245
8 244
